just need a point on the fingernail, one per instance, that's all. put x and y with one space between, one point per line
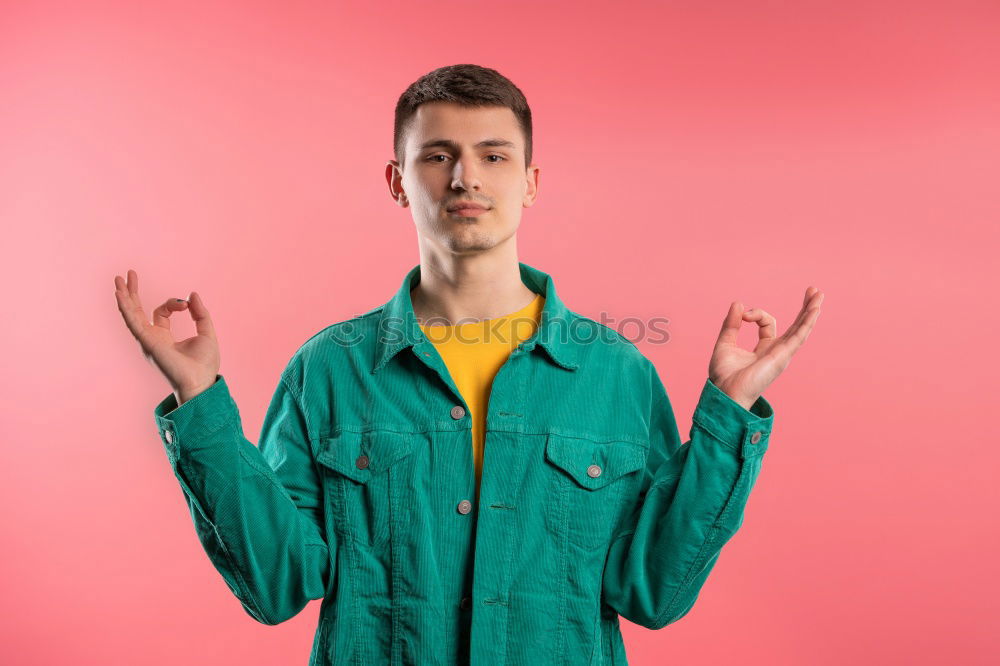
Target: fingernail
181 300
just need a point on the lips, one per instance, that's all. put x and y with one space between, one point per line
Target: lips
465 207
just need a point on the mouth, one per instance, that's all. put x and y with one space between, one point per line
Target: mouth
467 212
466 209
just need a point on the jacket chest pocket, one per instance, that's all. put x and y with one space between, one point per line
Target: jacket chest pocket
590 478
364 473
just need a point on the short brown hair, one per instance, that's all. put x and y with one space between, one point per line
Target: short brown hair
468 85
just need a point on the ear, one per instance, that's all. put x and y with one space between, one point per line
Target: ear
394 178
531 185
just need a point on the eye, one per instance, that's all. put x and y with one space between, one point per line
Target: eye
500 158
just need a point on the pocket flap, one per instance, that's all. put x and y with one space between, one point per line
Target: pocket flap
359 455
576 455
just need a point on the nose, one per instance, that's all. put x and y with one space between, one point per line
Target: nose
464 175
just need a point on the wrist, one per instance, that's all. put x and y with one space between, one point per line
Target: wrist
183 395
740 400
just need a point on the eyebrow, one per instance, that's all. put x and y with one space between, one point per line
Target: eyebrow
486 143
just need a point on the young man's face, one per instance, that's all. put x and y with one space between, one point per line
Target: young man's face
443 165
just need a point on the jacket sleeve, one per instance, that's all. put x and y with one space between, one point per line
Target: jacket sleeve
257 512
691 502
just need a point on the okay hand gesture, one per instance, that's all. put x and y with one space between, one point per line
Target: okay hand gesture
190 366
744 375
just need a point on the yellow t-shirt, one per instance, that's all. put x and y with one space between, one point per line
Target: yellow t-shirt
474 352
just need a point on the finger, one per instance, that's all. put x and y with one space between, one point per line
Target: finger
130 307
202 321
731 324
813 301
767 325
161 315
133 283
132 296
799 331
767 328
134 318
808 295
803 312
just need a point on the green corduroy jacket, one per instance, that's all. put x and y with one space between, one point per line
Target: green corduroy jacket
360 493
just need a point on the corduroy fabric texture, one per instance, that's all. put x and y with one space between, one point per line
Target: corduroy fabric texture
591 506
474 352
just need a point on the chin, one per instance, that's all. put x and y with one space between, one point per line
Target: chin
469 242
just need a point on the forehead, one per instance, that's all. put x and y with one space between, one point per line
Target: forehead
446 120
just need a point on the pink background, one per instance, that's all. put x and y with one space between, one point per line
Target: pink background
692 154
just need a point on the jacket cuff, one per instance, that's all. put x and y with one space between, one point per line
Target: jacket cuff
745 430
201 416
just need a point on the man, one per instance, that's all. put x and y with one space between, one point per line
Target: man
455 498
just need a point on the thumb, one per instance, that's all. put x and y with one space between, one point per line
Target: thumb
731 324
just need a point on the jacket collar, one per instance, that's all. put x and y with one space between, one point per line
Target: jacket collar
398 326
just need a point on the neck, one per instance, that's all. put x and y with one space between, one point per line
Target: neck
462 288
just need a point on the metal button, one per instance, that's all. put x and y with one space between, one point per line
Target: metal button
754 438
361 462
465 506
457 412
466 603
594 471
169 436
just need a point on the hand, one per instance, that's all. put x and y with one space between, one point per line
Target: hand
190 366
744 375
